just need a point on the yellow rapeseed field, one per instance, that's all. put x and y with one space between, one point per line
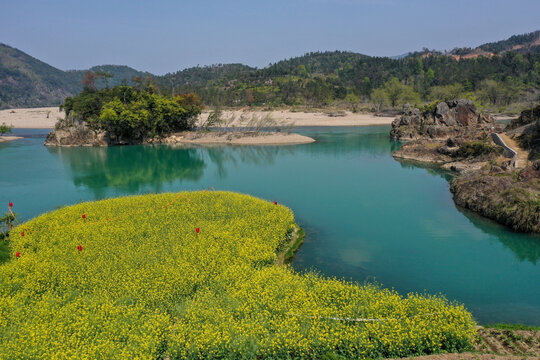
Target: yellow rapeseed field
134 279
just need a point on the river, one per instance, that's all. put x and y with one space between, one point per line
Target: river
367 216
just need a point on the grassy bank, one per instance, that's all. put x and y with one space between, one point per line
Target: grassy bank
4 250
512 327
196 275
290 247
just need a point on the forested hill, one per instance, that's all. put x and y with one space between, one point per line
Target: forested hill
523 44
499 75
120 74
28 82
200 76
344 78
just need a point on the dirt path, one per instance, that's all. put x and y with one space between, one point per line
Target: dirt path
522 154
498 344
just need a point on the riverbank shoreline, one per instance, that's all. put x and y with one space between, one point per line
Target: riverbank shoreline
82 137
46 118
286 255
9 138
232 138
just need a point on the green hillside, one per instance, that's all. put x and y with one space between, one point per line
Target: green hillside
344 78
523 43
500 76
26 81
122 74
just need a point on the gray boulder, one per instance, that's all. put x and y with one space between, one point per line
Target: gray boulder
451 118
443 116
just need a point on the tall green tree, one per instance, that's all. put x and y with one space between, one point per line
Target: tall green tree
399 93
379 97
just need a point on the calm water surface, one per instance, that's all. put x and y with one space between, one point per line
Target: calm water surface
367 216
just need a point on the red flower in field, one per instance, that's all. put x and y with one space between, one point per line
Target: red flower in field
22 234
79 248
197 230
18 254
83 216
275 202
10 204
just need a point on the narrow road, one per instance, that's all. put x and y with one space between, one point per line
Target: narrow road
522 154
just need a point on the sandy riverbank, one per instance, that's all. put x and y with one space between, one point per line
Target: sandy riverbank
346 118
236 138
33 118
9 138
46 118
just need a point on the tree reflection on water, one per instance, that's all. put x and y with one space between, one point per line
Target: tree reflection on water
130 168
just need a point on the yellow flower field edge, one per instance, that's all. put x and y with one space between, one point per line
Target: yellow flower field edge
134 279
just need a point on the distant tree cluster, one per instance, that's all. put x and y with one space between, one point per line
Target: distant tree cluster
132 112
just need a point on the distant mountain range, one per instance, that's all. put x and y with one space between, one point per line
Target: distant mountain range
28 82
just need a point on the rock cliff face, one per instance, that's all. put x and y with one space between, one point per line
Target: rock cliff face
502 196
526 117
447 119
79 135
529 136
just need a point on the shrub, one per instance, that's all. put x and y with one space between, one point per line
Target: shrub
5 129
133 113
428 110
476 149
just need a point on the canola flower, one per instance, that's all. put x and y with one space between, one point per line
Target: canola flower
194 276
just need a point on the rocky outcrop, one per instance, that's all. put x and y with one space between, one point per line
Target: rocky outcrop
529 134
455 154
440 121
528 116
452 132
423 151
455 136
504 197
79 135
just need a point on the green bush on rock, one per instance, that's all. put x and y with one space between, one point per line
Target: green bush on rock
132 113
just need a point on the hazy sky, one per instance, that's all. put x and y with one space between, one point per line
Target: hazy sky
163 36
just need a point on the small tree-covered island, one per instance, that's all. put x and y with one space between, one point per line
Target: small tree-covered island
126 115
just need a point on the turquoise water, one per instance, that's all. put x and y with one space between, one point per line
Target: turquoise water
367 216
